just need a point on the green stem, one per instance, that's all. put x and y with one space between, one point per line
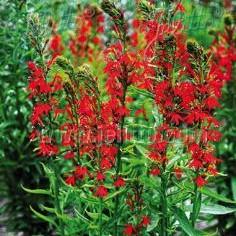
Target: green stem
196 202
119 163
57 200
164 207
100 217
118 168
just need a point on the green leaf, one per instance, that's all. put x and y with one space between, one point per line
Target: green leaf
96 215
83 218
216 209
93 215
179 197
43 217
210 193
36 191
92 200
47 170
184 222
233 187
154 223
174 160
142 92
48 209
113 195
196 206
136 162
142 150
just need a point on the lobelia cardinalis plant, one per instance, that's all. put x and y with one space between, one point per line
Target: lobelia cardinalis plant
186 90
97 182
224 54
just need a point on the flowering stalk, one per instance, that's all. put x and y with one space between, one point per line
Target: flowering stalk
186 91
100 217
40 90
56 188
121 31
164 205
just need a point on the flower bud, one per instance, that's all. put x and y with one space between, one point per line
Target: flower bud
228 20
65 65
194 48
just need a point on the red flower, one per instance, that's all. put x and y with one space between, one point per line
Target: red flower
96 40
200 181
211 103
213 171
37 83
80 172
55 44
106 163
33 135
176 118
40 109
119 182
157 157
209 158
46 148
100 176
129 229
69 155
160 146
145 221
178 172
155 171
195 163
70 180
101 191
108 156
180 7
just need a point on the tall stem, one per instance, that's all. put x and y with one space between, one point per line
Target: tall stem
164 207
100 217
57 200
118 163
196 202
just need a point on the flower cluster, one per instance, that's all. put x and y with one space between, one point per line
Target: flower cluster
223 50
83 125
186 91
87 42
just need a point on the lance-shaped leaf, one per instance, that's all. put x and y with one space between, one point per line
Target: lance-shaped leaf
184 222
